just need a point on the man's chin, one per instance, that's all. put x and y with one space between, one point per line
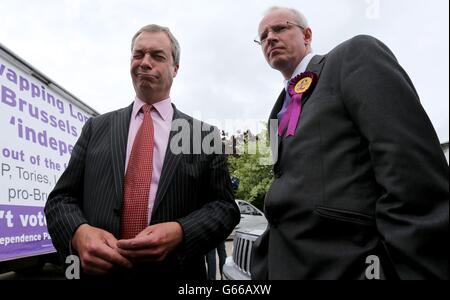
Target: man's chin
146 86
277 64
145 89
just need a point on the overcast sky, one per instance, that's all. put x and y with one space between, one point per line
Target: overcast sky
84 46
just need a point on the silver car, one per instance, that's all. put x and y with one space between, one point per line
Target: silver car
253 224
251 218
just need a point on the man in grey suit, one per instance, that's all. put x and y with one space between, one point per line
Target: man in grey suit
361 185
138 197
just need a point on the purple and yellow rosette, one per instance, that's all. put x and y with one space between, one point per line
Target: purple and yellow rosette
298 88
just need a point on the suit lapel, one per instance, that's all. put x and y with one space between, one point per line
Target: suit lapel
315 65
278 105
120 124
171 162
274 116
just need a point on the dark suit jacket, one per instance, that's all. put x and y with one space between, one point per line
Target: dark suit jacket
194 190
364 175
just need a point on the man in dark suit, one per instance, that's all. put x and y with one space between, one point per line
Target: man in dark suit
361 185
139 196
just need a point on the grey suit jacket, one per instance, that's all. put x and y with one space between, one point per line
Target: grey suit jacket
363 177
194 190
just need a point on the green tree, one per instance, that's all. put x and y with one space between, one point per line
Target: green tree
251 167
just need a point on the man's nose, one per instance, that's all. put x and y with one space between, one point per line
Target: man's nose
271 37
147 61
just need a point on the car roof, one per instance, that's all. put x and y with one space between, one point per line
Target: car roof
246 202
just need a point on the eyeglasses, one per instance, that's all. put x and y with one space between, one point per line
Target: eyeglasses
276 29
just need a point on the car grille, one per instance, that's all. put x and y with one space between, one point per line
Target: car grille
242 251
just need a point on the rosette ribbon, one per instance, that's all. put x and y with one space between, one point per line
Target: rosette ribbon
298 88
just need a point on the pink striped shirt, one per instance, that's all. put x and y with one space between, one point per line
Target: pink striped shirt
162 116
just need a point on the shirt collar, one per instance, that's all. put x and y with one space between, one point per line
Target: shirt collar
300 68
164 108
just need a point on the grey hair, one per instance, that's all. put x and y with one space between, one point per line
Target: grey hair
173 40
300 18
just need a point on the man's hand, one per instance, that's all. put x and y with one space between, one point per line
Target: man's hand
97 249
153 244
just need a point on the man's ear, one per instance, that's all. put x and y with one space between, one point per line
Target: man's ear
308 35
175 71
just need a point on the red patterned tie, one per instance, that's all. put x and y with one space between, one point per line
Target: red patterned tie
137 180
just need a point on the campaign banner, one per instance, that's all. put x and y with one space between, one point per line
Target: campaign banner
24 232
39 128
